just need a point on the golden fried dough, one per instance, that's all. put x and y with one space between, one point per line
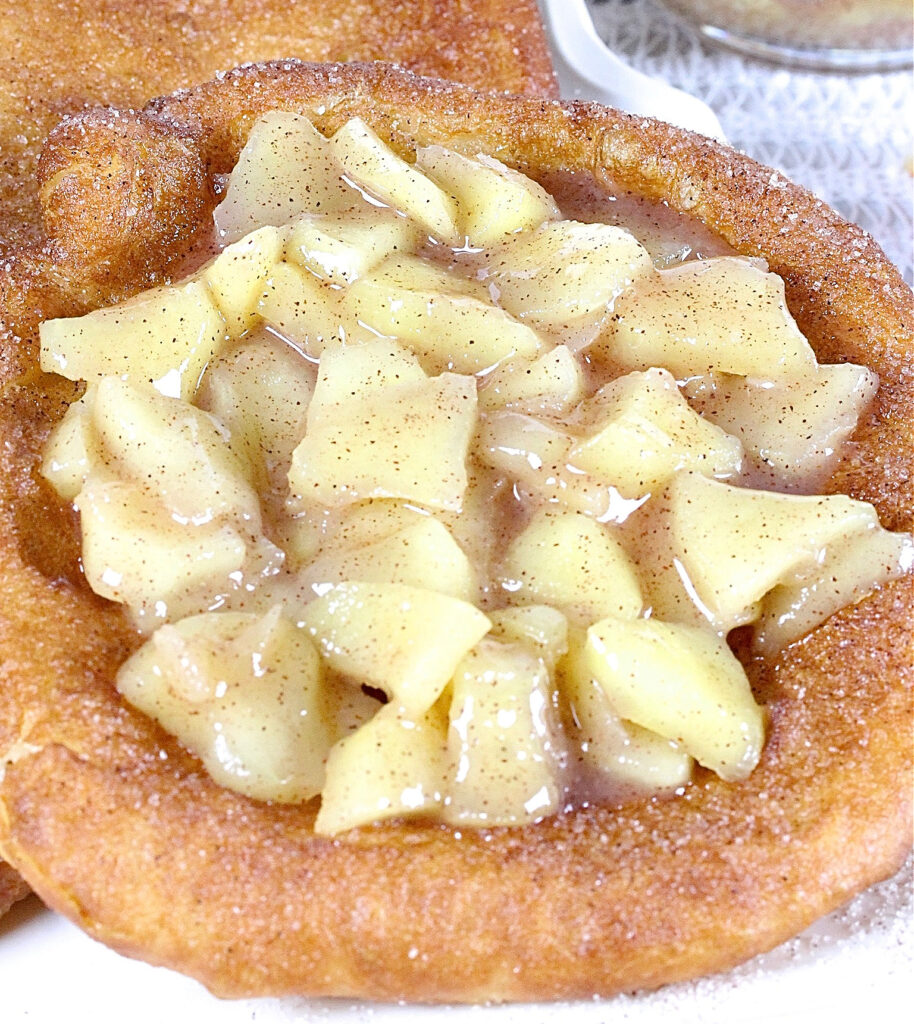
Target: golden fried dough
128 53
12 887
58 58
121 830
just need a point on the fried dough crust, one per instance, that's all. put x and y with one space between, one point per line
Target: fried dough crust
130 52
125 53
117 827
12 888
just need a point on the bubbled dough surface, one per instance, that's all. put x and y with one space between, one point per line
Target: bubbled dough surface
115 826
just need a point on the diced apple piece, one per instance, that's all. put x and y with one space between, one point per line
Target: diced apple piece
306 311
721 314
368 368
302 534
175 450
851 568
253 588
534 454
242 692
373 437
536 443
391 767
487 501
684 683
504 741
237 275
260 391
73 448
553 383
571 561
373 165
707 549
369 522
164 337
642 431
135 553
320 530
616 760
450 324
351 707
420 554
404 640
424 273
492 200
285 169
339 250
792 432
543 629
564 271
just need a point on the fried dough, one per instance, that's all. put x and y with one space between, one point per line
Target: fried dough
12 887
124 54
129 53
118 828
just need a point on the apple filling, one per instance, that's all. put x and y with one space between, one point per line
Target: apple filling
432 501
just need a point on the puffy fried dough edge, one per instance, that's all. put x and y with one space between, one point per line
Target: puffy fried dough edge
116 827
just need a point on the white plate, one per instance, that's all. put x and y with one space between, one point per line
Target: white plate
587 69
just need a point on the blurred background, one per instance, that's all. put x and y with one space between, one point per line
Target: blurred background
847 136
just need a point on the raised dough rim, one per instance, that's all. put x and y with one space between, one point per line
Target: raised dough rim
577 941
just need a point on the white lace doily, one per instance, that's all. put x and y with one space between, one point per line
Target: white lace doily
847 137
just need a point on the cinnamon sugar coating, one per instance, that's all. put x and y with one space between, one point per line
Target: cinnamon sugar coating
59 57
117 827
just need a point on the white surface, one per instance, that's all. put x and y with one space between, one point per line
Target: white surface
856 965
586 67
